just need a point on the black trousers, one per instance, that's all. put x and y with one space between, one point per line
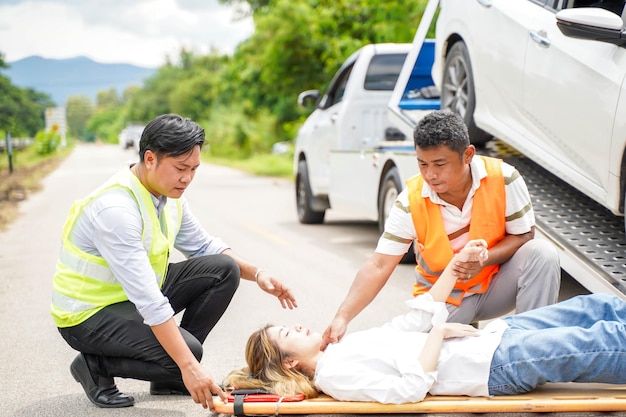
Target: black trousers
117 343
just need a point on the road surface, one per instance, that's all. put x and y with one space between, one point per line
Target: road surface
255 215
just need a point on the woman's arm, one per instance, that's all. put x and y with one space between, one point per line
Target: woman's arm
432 347
429 308
474 251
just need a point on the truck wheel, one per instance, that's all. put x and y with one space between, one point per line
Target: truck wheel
304 197
389 190
458 94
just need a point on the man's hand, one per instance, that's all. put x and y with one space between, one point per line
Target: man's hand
333 333
275 287
470 260
202 386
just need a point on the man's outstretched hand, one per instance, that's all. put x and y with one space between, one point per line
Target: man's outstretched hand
275 287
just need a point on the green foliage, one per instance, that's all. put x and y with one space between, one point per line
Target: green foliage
300 44
47 142
107 119
234 133
247 102
269 165
108 99
32 111
21 109
105 125
79 110
154 98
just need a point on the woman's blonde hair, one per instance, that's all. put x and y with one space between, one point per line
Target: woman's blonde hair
265 370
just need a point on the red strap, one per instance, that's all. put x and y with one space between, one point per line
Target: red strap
266 398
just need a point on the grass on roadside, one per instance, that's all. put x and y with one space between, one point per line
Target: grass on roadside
270 165
29 168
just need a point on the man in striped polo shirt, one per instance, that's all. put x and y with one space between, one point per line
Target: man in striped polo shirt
459 196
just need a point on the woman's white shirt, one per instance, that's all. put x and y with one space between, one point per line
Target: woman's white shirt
381 364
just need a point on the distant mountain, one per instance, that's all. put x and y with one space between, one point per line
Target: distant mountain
62 78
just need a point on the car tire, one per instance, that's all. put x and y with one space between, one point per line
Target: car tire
304 198
390 187
458 94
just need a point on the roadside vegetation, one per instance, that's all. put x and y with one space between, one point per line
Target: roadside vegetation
246 101
29 167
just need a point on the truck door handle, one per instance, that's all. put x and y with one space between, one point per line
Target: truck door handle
486 3
334 117
540 37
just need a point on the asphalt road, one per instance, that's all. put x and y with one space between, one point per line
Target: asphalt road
255 215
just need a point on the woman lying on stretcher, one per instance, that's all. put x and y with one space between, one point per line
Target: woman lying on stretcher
582 339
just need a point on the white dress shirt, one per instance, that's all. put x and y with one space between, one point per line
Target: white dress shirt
111 227
381 364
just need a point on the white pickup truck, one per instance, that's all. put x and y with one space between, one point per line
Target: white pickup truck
347 154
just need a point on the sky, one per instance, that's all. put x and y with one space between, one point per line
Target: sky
139 32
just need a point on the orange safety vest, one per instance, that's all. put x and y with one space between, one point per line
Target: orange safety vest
434 251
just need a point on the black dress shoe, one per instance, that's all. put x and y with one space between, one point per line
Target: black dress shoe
168 388
102 393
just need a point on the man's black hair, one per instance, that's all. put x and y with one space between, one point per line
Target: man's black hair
442 127
170 135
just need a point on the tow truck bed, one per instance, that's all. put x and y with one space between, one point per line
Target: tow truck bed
590 238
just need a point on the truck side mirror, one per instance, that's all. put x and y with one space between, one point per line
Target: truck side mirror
309 98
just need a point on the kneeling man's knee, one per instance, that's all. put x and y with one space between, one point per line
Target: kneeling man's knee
541 249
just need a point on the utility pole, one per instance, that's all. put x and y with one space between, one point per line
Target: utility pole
10 152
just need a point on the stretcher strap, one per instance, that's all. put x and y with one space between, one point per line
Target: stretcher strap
241 396
238 404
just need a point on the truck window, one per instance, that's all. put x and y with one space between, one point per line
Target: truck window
383 72
337 88
341 86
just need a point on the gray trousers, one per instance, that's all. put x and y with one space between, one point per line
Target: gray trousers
530 279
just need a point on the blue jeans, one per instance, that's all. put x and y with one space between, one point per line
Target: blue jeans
582 339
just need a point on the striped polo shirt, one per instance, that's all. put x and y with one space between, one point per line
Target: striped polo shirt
400 232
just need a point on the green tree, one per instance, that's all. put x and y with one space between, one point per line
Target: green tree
198 89
33 109
21 110
300 44
247 101
108 99
154 98
79 109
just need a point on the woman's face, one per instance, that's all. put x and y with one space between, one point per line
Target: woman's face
297 342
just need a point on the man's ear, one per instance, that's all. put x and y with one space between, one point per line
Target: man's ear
469 153
149 158
290 363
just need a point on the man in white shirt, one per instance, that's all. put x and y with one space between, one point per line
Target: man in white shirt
115 293
459 196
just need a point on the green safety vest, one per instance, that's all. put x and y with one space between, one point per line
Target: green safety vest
83 283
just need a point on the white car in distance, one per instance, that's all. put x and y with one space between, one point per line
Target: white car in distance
129 136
